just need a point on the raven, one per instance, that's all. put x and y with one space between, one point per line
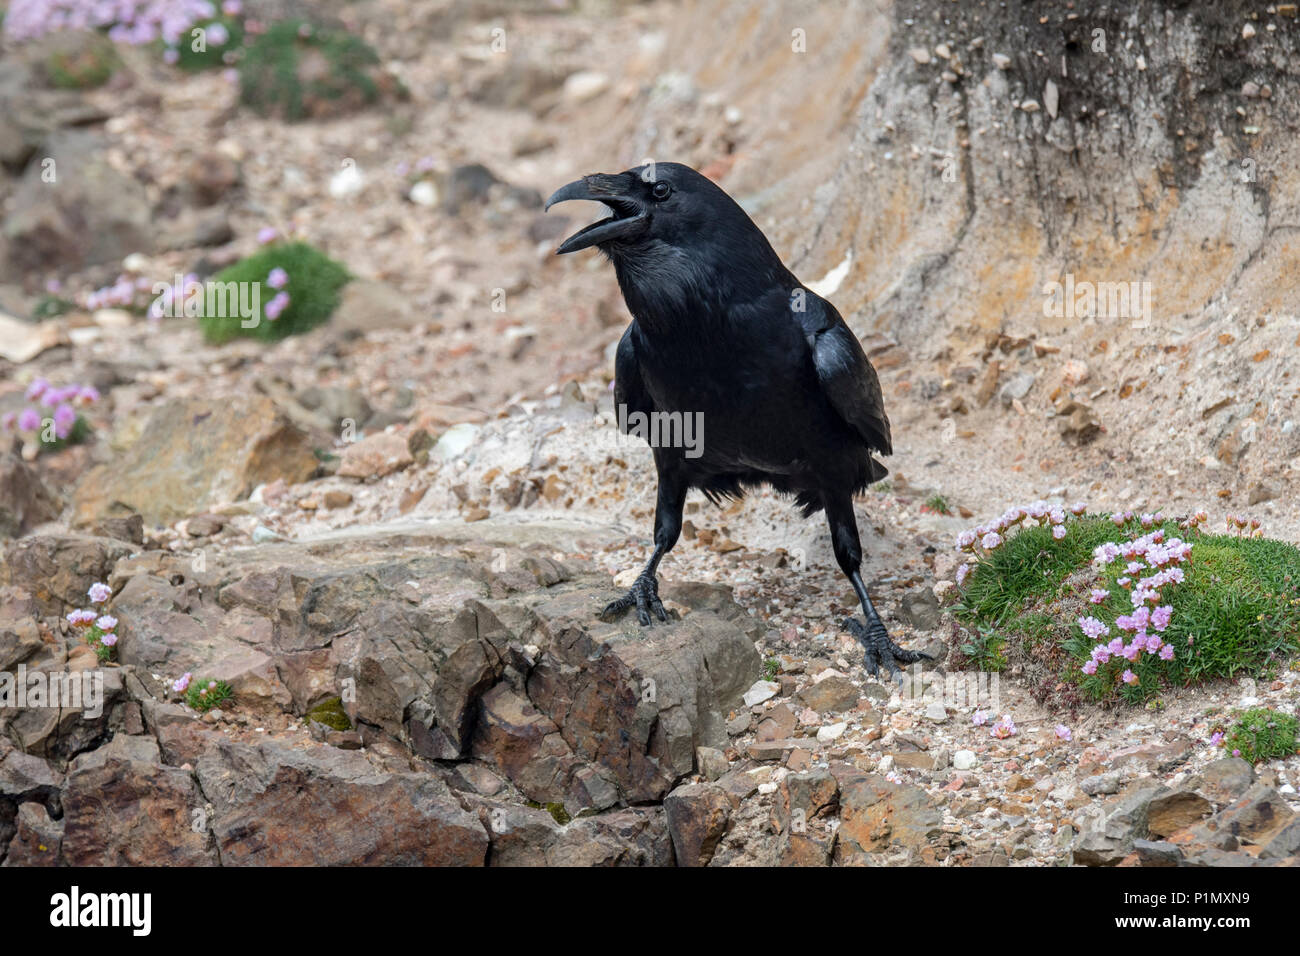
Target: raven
722 330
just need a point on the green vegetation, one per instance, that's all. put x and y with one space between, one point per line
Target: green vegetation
938 504
297 70
51 307
82 66
1263 734
771 667
204 694
313 285
331 714
1237 610
229 29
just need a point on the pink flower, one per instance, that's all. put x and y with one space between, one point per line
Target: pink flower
1078 508
277 305
1093 628
965 540
1216 738
962 573
182 682
1004 728
1063 732
1160 617
99 593
36 389
991 540
980 718
29 420
65 416
1090 667
1098 595
1167 652
80 618
266 234
1058 531
1129 677
278 278
108 640
106 623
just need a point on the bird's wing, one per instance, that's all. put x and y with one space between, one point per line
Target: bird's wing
629 389
847 379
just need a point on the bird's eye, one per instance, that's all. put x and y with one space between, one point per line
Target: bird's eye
661 191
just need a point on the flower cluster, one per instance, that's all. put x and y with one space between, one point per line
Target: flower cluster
101 629
1244 527
60 413
278 279
135 22
203 694
1152 563
987 538
1004 728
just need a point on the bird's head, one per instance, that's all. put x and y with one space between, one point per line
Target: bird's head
655 204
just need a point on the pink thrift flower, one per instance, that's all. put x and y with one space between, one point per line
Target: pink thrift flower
1160 617
36 389
1129 677
278 278
991 540
1098 595
182 682
266 234
277 305
1063 732
108 640
99 593
980 718
1058 531
1167 652
1093 628
106 623
1090 667
29 420
962 573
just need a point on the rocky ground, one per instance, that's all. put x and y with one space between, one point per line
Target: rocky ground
420 506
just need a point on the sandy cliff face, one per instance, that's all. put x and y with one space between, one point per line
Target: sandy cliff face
937 169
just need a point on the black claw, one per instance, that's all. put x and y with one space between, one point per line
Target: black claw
644 596
880 648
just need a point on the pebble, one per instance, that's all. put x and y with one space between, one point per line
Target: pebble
831 732
964 760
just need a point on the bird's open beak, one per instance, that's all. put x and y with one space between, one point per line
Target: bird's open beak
627 213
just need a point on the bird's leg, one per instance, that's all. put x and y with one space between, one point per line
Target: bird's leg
644 593
880 647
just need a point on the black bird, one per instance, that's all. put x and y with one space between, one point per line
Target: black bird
723 331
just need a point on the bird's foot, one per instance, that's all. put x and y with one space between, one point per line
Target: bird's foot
644 596
881 648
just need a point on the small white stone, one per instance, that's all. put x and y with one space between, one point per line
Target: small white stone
1001 61
886 764
760 691
423 193
936 711
963 760
831 732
